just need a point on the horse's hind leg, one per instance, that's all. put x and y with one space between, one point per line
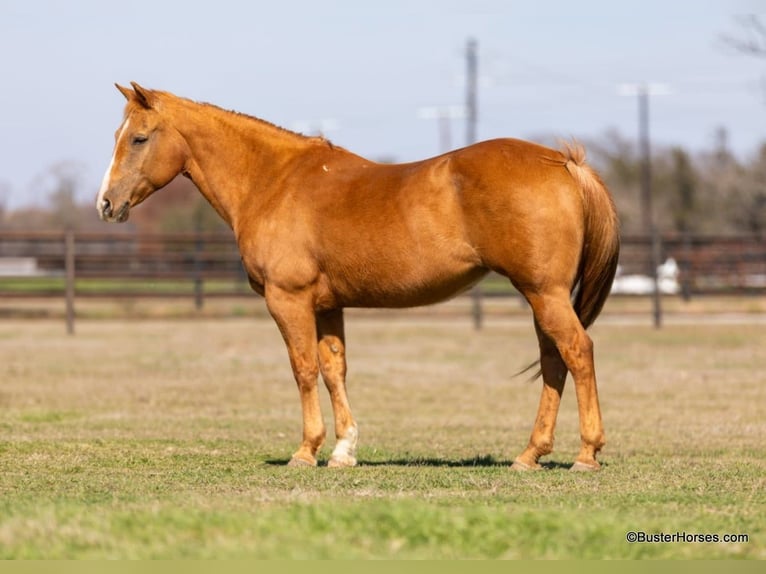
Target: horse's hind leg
332 364
556 319
554 373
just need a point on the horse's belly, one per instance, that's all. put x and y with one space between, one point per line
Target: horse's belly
412 288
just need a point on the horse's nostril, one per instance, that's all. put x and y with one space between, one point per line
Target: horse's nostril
106 207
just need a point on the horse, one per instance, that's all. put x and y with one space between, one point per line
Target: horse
320 229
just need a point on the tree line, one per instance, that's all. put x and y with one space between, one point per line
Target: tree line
707 192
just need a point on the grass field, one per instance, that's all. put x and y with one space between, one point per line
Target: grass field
167 439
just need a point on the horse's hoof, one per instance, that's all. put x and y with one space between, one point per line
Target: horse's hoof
341 461
585 466
523 466
301 463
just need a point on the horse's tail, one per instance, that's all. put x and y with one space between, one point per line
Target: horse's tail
601 249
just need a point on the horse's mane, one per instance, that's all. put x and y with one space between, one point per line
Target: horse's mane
260 122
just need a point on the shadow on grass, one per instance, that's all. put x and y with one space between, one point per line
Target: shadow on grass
478 462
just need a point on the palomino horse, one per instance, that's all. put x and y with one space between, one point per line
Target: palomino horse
320 229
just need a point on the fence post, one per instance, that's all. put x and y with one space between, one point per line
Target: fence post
477 311
198 287
70 277
685 267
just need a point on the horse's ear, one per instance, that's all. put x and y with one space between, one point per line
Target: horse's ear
127 92
143 96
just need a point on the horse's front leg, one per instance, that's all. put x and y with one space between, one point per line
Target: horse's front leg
332 365
295 317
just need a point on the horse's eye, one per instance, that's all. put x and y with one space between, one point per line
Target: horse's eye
139 139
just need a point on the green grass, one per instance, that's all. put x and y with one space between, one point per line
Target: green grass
136 500
168 440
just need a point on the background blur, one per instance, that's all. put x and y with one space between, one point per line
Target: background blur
393 82
377 77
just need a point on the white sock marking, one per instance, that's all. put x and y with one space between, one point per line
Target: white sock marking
346 447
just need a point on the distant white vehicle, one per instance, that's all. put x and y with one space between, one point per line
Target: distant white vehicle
667 278
19 267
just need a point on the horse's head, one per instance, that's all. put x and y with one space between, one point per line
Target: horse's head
148 153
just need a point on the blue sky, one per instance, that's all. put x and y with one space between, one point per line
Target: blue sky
547 69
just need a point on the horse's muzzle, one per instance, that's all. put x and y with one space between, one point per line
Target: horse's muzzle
107 213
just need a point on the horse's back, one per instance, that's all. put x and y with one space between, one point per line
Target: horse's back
521 207
393 235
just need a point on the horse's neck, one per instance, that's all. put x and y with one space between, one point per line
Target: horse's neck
226 148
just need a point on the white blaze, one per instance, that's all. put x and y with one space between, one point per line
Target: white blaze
108 174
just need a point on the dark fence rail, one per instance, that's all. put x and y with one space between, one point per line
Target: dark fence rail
705 264
162 256
128 265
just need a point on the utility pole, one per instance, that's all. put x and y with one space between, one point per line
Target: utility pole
647 213
443 116
643 91
445 133
472 116
472 83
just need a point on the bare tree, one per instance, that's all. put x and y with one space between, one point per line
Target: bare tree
5 188
749 203
59 185
751 38
683 190
617 157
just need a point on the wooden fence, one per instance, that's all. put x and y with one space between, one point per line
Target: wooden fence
55 264
707 265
